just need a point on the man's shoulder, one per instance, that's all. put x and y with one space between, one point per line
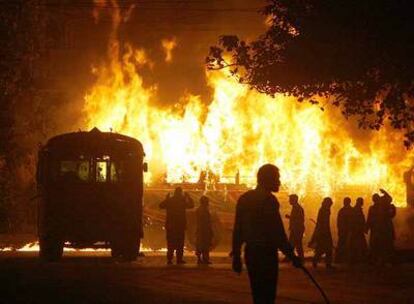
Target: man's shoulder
246 198
248 194
166 200
253 197
299 207
255 194
373 208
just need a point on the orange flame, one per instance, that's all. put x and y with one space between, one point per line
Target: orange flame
240 130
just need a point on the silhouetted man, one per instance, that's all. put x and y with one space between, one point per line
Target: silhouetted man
358 244
296 225
176 223
322 237
374 227
408 179
380 223
204 232
258 225
388 234
344 228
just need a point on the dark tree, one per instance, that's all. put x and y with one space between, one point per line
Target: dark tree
22 24
356 54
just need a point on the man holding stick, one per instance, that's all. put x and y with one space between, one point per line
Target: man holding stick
259 226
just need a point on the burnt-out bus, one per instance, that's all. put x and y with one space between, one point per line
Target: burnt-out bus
91 189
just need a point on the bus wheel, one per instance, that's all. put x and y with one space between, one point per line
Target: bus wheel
131 248
131 252
125 251
51 249
115 251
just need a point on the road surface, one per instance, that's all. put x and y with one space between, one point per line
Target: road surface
93 277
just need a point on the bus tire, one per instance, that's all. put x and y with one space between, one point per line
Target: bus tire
126 251
130 254
115 250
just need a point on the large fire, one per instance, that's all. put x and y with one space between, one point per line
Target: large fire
239 131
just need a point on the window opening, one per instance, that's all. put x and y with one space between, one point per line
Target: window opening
74 170
101 171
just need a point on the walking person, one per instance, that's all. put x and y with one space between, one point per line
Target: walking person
388 232
296 225
259 226
374 228
321 239
204 232
344 229
381 227
176 222
358 245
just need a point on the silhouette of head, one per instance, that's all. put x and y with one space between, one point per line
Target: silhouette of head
376 198
359 202
178 191
268 177
327 203
204 201
347 202
293 199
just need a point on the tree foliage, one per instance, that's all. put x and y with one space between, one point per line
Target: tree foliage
22 28
356 54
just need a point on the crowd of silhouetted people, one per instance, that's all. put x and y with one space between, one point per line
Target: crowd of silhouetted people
176 223
258 228
352 228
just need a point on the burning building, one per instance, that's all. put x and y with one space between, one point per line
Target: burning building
216 147
205 132
238 130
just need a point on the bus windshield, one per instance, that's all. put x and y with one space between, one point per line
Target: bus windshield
99 170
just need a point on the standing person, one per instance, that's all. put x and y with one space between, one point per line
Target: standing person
388 233
296 225
409 182
176 223
322 238
204 232
374 227
344 228
380 224
358 244
259 226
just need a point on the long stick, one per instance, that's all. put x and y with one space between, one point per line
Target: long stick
316 284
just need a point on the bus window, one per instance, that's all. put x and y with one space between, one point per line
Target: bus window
83 170
118 171
74 170
115 172
101 171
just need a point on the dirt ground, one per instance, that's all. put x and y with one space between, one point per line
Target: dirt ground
93 277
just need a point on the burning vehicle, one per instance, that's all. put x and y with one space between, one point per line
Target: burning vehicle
91 186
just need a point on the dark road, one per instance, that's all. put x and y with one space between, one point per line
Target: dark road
84 277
